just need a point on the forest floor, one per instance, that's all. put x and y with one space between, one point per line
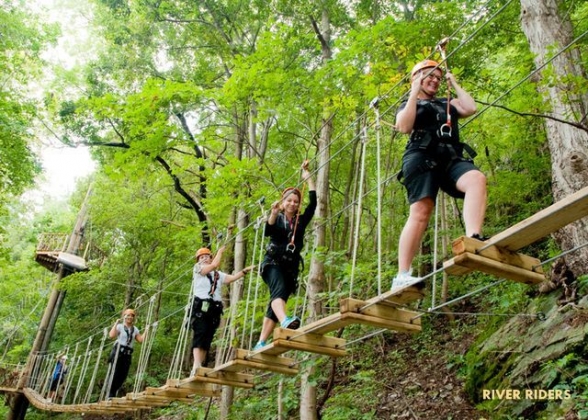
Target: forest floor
428 385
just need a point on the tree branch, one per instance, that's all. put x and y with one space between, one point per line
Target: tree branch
579 126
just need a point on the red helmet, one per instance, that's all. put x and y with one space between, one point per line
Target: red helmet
203 251
291 190
425 64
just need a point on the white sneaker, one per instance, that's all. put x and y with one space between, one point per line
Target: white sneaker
403 280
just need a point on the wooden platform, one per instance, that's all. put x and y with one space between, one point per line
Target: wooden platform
471 254
543 223
498 255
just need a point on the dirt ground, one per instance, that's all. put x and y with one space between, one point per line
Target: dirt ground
428 386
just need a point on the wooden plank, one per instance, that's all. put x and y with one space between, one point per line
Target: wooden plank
159 400
287 345
503 255
241 365
310 338
235 379
170 392
309 342
544 222
128 401
325 325
199 388
378 310
374 321
489 266
265 357
398 297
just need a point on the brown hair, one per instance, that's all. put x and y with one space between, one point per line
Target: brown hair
291 190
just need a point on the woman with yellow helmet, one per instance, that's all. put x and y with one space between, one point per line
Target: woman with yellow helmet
434 159
126 333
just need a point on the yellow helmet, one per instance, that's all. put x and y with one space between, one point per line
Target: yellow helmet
203 251
425 64
129 312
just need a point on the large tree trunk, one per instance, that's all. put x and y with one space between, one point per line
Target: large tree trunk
548 31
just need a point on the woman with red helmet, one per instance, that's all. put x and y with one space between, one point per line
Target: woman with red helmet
434 159
285 227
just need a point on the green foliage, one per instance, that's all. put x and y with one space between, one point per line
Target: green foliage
23 38
196 113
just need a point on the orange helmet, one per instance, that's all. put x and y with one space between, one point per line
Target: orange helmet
203 251
425 64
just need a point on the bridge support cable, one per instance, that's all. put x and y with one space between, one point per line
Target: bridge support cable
148 338
378 128
175 370
251 277
359 201
71 374
95 370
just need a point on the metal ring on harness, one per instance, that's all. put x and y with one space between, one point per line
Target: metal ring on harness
445 131
291 247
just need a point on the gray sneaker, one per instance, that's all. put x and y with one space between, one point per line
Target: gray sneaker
403 280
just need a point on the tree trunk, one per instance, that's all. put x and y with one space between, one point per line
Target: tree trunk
316 275
19 406
546 32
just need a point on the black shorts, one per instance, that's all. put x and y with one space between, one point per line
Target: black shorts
282 283
205 324
55 382
424 175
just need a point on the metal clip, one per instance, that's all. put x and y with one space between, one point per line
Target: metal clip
291 247
445 131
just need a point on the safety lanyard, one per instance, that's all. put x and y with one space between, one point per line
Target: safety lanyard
213 282
129 335
291 247
445 129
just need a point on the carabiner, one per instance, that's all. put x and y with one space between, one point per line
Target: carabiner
291 247
445 131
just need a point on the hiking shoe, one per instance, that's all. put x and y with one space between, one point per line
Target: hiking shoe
480 237
291 323
259 345
403 280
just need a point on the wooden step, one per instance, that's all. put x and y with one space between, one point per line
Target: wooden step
260 360
380 315
235 379
466 262
196 387
502 255
285 340
158 399
543 223
170 392
398 297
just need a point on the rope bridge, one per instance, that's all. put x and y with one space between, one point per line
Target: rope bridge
498 256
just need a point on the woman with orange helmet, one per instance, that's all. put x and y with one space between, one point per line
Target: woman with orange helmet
285 226
126 333
207 305
434 159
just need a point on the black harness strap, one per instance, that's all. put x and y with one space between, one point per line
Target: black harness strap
213 278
